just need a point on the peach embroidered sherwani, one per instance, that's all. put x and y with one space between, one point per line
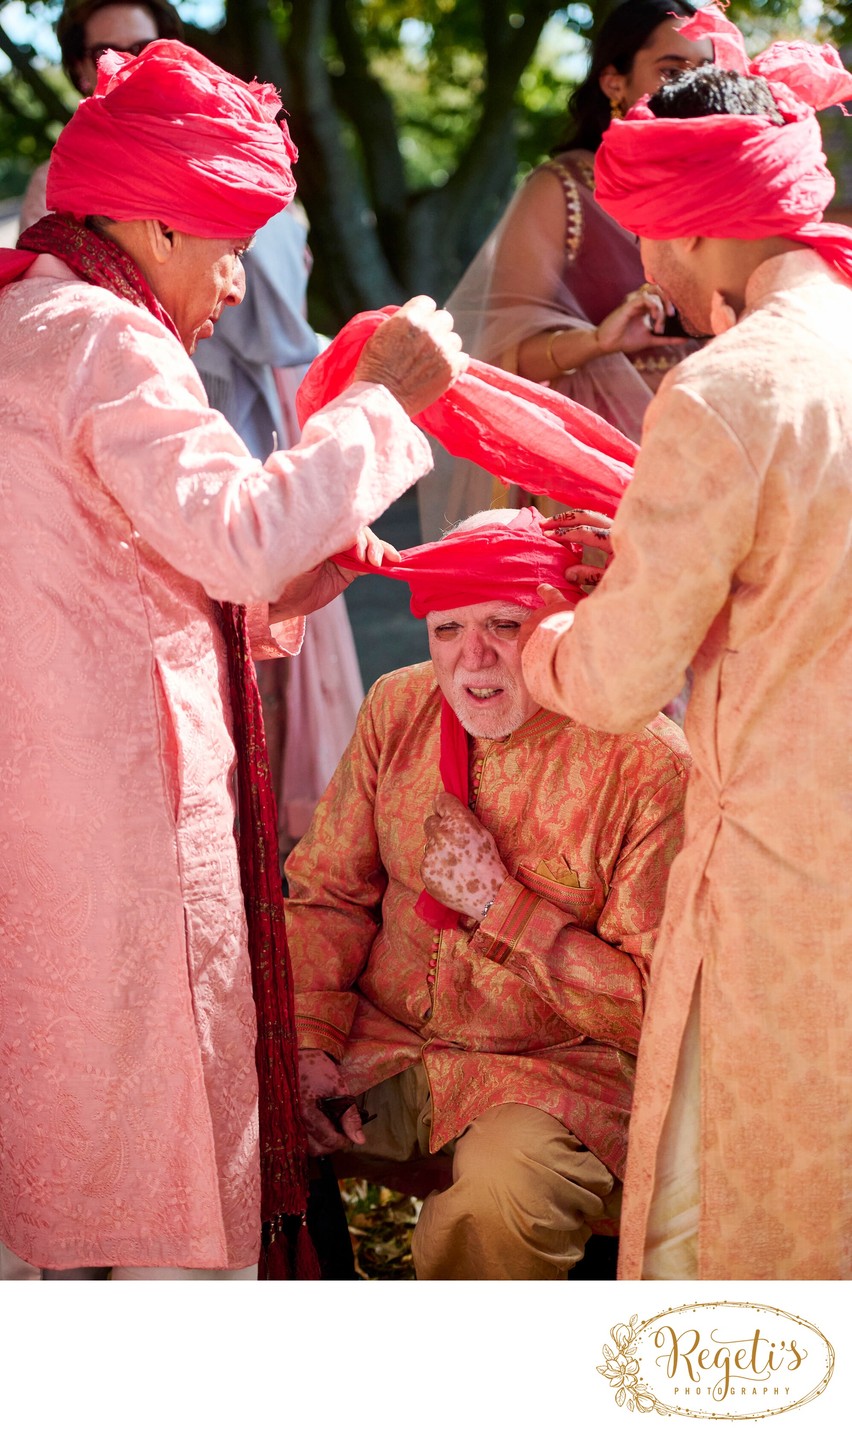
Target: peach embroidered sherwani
128 1128
541 1003
732 545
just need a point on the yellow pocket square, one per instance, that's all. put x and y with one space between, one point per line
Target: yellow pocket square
558 874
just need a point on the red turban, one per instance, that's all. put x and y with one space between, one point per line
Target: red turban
499 562
170 136
503 562
732 176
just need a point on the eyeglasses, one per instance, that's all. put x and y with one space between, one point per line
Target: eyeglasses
97 52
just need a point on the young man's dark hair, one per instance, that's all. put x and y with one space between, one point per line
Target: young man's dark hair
710 91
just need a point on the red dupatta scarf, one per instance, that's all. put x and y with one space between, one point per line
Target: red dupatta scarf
286 1249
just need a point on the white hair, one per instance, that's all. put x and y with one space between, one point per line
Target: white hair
485 516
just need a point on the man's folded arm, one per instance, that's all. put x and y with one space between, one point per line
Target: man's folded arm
594 981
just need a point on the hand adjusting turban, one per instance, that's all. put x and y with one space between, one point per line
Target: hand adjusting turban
732 176
170 136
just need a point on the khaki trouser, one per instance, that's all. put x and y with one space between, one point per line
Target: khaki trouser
523 1190
12 1267
671 1243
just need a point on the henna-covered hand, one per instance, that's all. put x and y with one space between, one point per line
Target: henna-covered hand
319 1077
583 527
461 866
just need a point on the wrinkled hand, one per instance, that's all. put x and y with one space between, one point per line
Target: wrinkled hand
637 323
415 354
585 527
319 1077
316 588
461 866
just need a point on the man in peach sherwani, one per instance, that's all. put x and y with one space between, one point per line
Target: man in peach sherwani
731 553
129 1117
511 1033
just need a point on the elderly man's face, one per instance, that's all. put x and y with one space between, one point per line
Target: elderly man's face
478 666
113 27
199 280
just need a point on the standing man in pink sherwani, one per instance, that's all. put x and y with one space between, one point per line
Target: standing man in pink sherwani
128 1118
731 553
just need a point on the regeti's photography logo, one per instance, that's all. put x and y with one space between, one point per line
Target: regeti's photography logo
717 1360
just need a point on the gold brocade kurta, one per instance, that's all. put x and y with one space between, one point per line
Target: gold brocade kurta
542 1002
732 545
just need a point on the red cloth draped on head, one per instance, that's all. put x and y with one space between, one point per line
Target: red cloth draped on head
503 563
170 136
732 176
500 562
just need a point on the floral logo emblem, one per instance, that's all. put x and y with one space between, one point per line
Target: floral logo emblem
717 1360
622 1370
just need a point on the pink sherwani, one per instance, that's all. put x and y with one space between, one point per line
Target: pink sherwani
539 1004
128 1128
732 545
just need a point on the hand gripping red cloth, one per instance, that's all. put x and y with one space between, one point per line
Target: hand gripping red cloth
519 431
170 136
732 176
495 562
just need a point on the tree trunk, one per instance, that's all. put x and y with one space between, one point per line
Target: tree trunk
55 107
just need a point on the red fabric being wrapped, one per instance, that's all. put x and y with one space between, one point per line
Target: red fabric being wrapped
504 563
170 136
515 429
732 176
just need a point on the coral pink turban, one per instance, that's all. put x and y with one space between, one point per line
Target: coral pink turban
170 136
503 563
732 176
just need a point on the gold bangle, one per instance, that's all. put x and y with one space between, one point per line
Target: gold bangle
554 363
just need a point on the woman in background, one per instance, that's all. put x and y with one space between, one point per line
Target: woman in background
557 292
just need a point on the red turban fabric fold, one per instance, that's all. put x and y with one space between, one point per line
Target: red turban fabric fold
501 562
170 136
517 430
732 176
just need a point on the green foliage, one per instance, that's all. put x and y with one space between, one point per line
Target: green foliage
26 136
412 130
380 1223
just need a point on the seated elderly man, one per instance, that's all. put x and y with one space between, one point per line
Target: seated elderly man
499 1012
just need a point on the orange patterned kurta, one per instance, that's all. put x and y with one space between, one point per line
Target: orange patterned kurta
541 1003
